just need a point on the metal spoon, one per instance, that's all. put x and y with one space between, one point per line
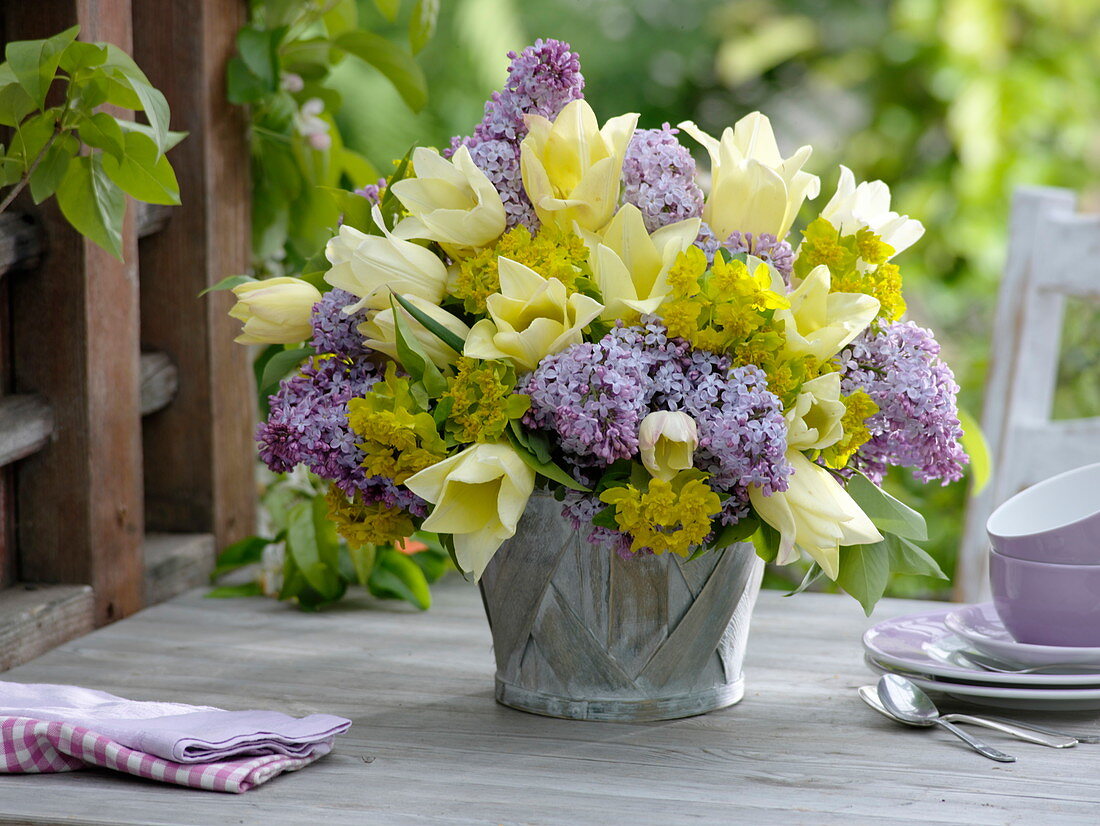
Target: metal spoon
1050 738
988 663
909 704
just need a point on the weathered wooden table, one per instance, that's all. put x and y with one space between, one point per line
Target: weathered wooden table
430 745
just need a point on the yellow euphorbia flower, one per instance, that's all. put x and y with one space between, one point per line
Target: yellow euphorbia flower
370 266
381 333
275 311
451 202
479 496
820 323
631 266
571 167
814 422
815 514
666 443
753 189
867 206
530 318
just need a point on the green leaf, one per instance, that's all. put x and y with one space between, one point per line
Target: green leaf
907 558
92 203
977 448
887 513
15 104
355 208
534 442
397 65
51 169
358 169
864 571
413 358
35 62
547 469
133 126
228 283
341 17
247 551
247 589
362 559
739 531
766 541
80 55
449 338
258 49
395 575
311 540
242 86
33 134
388 8
391 206
813 574
422 24
279 365
433 563
122 69
144 171
102 131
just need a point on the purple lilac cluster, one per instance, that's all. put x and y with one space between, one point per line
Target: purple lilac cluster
372 192
659 178
334 331
593 397
308 425
917 425
765 247
542 79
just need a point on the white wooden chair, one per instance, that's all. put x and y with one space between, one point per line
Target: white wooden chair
1053 254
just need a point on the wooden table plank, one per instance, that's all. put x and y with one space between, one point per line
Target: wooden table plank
430 745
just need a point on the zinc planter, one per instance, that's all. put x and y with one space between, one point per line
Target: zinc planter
580 633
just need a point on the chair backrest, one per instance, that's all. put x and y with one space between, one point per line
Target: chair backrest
1053 254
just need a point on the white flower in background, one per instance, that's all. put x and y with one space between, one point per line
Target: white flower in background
381 333
753 189
370 266
451 202
854 207
270 574
667 442
311 126
274 311
291 82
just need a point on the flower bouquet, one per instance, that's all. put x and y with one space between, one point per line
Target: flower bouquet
557 311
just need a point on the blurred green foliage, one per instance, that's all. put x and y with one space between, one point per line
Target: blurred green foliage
954 103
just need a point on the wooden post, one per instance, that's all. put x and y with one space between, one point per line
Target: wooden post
75 334
199 455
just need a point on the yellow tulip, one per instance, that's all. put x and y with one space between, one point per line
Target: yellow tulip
479 496
814 420
530 318
275 311
667 442
631 266
571 167
381 333
815 514
370 266
451 202
753 189
820 323
854 207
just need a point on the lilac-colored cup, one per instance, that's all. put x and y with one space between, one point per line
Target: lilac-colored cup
1046 603
1055 521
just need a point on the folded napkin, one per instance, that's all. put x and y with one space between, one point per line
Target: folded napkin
59 728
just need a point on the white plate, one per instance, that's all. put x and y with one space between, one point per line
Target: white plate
922 643
1036 699
982 628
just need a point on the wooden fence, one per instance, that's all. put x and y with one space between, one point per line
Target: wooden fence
125 407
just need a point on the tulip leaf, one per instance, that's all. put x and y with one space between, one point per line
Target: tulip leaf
413 358
279 365
887 513
907 558
312 542
739 531
245 589
814 573
452 340
977 448
390 206
534 442
227 283
355 209
864 571
362 558
766 542
548 469
395 575
247 551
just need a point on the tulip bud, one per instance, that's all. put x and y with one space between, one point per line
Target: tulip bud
380 331
275 311
667 442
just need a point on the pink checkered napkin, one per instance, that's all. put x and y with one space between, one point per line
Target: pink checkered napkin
36 746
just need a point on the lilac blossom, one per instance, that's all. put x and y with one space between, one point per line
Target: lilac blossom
917 425
372 192
334 331
765 247
659 178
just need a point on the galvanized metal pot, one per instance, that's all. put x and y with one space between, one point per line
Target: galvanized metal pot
580 633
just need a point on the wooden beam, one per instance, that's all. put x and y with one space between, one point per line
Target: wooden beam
151 218
75 333
35 618
26 426
176 562
199 455
159 382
